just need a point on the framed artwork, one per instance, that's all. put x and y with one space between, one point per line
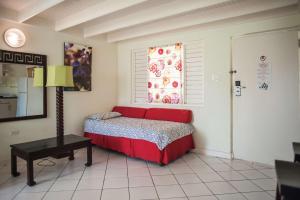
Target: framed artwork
165 74
80 58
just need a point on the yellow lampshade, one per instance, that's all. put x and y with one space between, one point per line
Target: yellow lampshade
59 76
38 77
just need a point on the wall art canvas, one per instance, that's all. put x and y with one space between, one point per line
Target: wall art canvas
165 74
80 58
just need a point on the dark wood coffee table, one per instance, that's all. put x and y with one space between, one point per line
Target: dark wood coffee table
296 147
38 149
288 180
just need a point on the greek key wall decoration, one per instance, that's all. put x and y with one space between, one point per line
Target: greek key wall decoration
22 58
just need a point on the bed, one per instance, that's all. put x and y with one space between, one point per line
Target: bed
154 134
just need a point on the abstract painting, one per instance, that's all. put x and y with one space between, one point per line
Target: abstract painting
80 58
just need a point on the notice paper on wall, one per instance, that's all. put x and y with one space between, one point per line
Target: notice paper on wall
263 74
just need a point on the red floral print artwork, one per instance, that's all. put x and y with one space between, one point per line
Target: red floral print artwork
166 99
165 73
150 97
160 51
157 96
175 84
178 65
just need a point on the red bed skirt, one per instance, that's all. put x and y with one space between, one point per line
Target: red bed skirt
143 149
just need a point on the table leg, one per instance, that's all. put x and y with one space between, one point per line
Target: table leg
278 196
14 171
89 155
71 157
30 180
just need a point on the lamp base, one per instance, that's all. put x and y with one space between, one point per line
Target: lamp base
60 126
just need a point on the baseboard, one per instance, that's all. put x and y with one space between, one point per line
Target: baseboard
215 153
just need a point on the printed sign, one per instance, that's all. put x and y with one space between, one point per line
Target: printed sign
263 74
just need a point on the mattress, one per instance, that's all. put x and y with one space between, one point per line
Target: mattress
161 133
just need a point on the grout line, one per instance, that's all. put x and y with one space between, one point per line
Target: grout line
55 179
107 159
152 179
185 162
78 182
127 176
228 181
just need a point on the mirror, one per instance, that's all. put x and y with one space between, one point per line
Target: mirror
19 99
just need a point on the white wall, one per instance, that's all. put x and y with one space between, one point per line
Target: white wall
212 121
77 104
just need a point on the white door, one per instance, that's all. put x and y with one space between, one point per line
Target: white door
266 115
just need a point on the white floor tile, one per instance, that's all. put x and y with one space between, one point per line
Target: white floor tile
114 194
210 177
237 196
261 166
266 184
197 189
133 178
8 196
62 195
160 171
252 174
232 176
187 178
210 159
181 169
142 193
138 172
240 166
30 196
220 167
272 193
258 196
12 187
114 182
41 186
245 186
203 198
61 185
116 173
87 194
136 163
90 184
221 188
164 180
169 191
271 173
93 173
140 181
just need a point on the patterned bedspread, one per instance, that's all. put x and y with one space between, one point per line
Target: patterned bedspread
161 133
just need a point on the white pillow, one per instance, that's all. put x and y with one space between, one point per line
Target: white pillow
104 115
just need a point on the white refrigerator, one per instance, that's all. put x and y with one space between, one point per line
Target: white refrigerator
30 99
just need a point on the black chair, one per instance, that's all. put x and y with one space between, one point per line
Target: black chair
288 180
296 147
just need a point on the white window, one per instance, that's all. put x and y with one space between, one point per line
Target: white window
193 74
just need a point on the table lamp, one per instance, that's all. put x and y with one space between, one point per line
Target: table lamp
58 76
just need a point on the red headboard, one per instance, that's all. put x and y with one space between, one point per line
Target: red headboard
174 115
130 111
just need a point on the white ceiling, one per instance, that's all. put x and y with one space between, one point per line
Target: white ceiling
126 19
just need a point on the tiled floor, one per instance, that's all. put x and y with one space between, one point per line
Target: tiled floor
116 177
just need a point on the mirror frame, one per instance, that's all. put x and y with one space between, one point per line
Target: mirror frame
27 59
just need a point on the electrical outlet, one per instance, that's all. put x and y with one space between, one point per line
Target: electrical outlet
16 132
